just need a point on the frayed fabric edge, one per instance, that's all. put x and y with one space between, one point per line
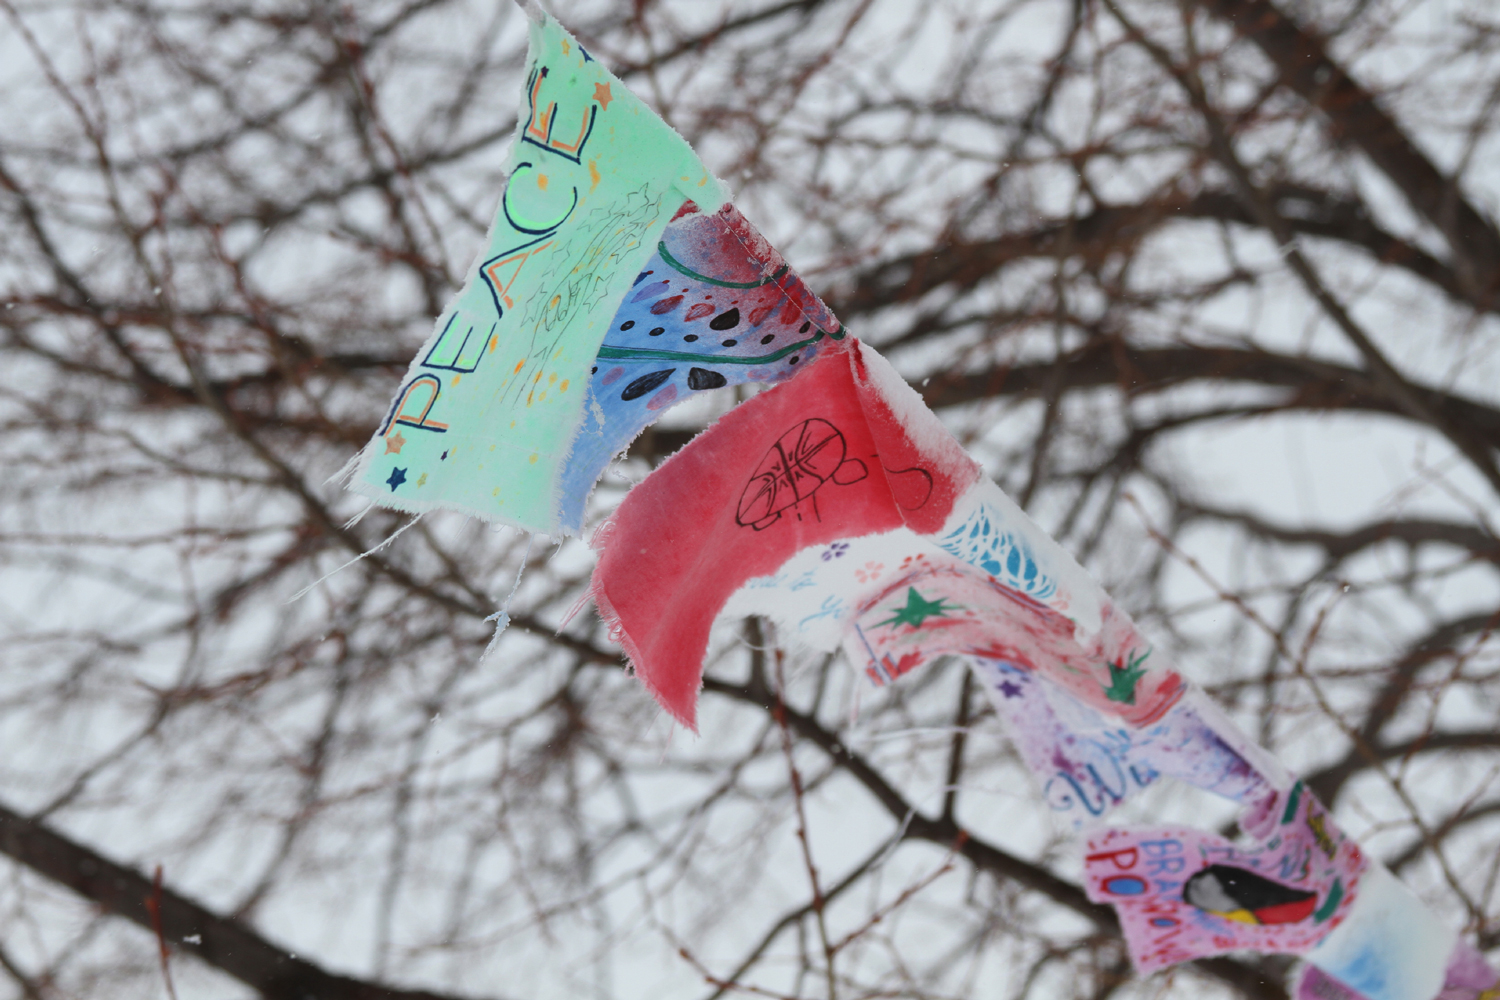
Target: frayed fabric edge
368 552
501 618
617 633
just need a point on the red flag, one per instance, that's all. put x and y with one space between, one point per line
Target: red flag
844 450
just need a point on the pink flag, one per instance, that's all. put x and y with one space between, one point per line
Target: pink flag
844 450
1184 894
1087 762
944 605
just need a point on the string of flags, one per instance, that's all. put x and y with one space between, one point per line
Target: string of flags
616 282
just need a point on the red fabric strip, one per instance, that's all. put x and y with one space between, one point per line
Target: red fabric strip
845 449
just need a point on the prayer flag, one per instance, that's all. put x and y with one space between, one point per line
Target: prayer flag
1184 894
614 284
1390 946
488 411
1087 763
714 306
843 450
1466 976
942 606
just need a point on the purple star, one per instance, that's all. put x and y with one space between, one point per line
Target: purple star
1010 689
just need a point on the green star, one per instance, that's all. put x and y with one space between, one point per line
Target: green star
918 609
1122 679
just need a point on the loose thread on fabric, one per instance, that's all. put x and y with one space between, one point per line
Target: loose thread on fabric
666 744
348 470
501 618
368 552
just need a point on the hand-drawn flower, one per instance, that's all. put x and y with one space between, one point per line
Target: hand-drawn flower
835 551
910 561
868 572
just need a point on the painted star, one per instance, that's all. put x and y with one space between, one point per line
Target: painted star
394 443
918 609
1122 679
398 476
602 95
1010 689
422 479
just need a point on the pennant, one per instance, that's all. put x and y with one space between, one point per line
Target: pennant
714 306
1088 763
1183 894
1390 946
1466 976
845 450
943 606
490 407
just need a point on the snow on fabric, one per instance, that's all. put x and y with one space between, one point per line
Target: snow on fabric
715 305
839 452
1183 894
488 411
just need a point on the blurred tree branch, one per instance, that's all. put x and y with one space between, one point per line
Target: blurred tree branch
220 941
1128 256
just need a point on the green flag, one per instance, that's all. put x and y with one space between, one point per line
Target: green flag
488 411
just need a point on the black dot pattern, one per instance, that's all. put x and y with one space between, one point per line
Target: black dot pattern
644 384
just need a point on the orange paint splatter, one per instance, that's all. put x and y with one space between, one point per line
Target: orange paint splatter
594 177
563 387
519 365
541 181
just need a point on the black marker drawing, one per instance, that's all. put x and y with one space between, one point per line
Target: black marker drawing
910 488
798 464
